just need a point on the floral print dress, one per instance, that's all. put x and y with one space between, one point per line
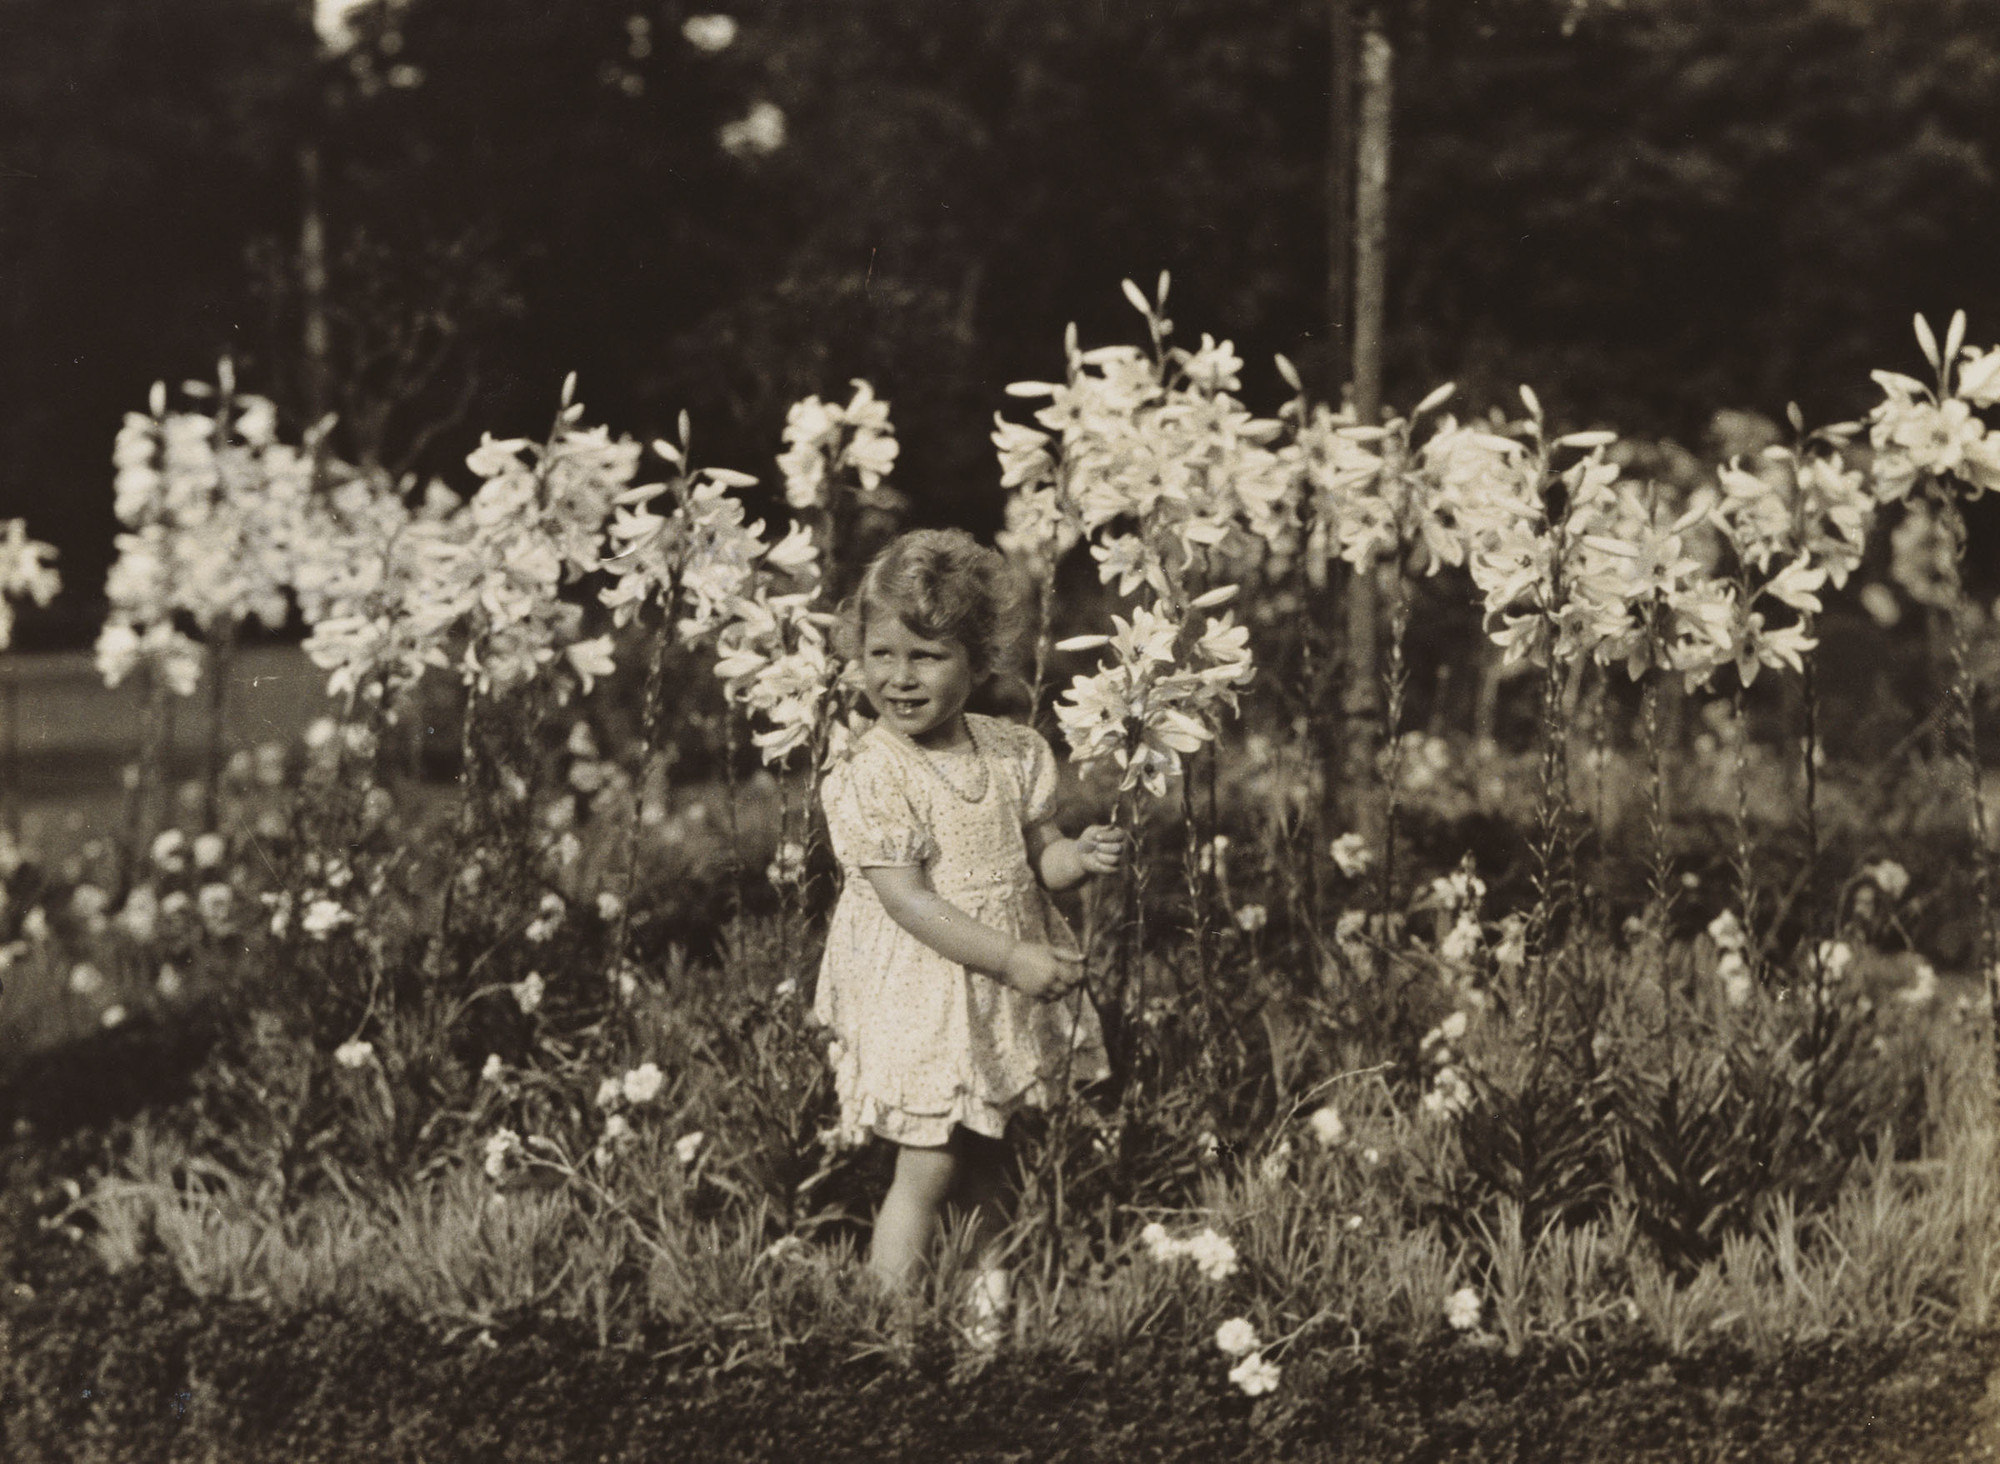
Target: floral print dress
920 1042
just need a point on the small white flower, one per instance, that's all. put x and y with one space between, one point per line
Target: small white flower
1237 1336
758 133
175 903
1277 1164
610 1093
1212 1253
781 1248
1835 956
35 925
1352 855
1450 1094
141 914
111 1016
1462 1309
1160 1245
169 983
617 1127
1214 855
1726 930
1923 987
609 906
1889 877
213 902
628 981
1737 984
491 1070
642 1084
1350 929
789 865
1354 1222
1371 1156
323 917
501 1147
209 851
88 903
528 992
1251 918
709 33
85 979
1453 1027
355 1054
548 919
170 850
1254 1375
689 1145
786 989
1328 1127
1462 942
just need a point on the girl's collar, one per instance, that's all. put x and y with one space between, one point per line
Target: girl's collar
938 760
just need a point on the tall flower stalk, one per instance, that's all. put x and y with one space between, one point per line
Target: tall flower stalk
27 572
687 565
1933 441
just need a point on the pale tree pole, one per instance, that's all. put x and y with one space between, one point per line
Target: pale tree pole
336 39
1361 695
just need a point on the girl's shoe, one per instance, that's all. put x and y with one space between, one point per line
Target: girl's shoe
987 1309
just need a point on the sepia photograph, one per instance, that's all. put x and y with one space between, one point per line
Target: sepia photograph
1201 731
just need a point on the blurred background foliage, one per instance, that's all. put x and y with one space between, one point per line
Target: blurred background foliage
1650 209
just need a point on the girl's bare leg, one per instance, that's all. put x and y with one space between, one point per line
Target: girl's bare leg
910 1212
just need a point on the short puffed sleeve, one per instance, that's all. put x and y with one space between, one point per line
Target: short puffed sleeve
869 815
1039 776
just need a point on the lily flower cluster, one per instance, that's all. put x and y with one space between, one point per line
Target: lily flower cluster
213 509
1795 521
27 572
1171 481
776 657
1161 696
695 559
535 524
1922 435
823 440
1150 458
1931 447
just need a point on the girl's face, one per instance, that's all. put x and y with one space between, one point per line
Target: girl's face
917 686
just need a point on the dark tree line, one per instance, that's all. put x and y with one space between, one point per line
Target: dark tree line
1649 210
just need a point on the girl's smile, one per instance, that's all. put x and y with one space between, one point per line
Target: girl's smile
917 685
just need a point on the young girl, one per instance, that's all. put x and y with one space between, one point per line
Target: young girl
950 982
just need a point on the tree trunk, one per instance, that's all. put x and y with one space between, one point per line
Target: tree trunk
312 285
1362 700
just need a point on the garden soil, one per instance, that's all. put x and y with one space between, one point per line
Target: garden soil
97 1368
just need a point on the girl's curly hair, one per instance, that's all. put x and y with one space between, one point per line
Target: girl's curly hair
944 585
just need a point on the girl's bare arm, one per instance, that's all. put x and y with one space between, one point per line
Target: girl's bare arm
1029 966
1064 863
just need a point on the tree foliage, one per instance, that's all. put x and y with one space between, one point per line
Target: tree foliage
1656 208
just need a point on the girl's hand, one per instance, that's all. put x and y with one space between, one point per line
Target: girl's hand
1101 848
1043 972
